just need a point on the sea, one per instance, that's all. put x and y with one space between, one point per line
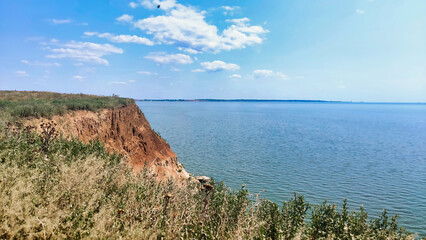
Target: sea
372 154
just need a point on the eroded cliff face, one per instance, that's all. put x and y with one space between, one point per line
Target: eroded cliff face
123 130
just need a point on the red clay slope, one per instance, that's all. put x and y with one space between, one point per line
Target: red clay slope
124 130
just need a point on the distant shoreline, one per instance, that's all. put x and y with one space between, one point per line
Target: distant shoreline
270 100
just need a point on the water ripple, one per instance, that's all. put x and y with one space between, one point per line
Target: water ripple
374 155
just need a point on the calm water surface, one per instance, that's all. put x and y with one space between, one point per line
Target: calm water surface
372 154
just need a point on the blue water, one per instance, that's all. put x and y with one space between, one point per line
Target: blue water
372 154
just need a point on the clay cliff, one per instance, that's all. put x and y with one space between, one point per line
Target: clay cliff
123 130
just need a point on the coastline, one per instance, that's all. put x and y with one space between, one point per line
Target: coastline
90 192
274 101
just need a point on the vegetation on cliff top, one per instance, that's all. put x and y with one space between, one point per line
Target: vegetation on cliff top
18 104
56 188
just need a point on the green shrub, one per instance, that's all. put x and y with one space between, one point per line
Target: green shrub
75 190
15 104
293 216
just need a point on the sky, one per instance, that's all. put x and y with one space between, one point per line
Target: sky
354 50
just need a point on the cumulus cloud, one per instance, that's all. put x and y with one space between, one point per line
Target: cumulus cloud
122 82
83 51
189 50
239 21
360 11
186 26
79 78
125 18
60 21
21 73
269 73
216 66
228 10
161 57
119 82
122 38
147 73
235 76
263 72
40 64
133 5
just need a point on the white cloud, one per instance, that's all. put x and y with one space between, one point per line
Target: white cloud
173 69
119 82
235 76
216 66
239 21
122 82
133 5
161 57
83 51
198 70
189 50
121 38
21 73
125 18
41 64
186 26
263 72
147 73
269 73
360 11
79 78
60 21
228 10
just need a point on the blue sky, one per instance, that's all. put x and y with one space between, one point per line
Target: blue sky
355 50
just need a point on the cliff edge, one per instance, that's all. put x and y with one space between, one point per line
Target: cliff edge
123 130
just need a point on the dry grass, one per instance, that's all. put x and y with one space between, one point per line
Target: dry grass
15 105
68 189
32 95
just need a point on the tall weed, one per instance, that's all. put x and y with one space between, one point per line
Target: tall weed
76 190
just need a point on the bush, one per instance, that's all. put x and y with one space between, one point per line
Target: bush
17 104
69 189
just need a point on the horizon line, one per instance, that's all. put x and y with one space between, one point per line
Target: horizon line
265 100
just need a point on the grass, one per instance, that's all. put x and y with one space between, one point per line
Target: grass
56 188
21 104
